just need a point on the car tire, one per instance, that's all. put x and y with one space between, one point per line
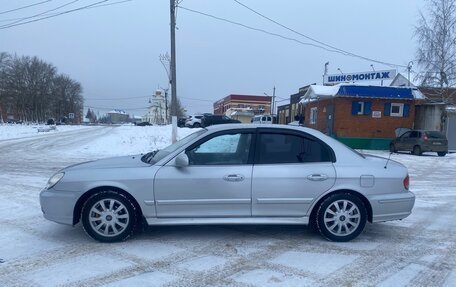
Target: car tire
109 216
341 217
417 150
196 125
441 153
392 148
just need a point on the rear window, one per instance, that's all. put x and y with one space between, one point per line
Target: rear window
435 135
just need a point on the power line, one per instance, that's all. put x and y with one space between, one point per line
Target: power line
256 29
112 99
193 99
58 14
321 46
24 7
141 97
317 41
39 14
52 14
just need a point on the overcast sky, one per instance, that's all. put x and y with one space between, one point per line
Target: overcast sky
113 51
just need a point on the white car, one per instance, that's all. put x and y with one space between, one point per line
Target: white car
233 174
194 121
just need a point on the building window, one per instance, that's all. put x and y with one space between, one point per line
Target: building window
313 116
361 108
397 110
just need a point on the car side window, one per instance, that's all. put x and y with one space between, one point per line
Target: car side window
414 134
406 135
287 148
224 149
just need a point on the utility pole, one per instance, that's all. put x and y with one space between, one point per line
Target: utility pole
273 102
172 4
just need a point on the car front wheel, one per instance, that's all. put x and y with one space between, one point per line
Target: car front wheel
417 150
109 216
441 153
341 217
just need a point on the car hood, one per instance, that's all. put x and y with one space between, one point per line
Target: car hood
112 162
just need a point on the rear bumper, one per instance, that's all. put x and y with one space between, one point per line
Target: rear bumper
435 148
393 206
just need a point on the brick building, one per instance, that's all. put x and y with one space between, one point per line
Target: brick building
363 117
292 111
257 104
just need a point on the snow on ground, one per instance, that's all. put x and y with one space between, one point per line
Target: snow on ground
128 140
14 131
417 251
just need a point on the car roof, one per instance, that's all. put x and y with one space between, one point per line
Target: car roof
270 126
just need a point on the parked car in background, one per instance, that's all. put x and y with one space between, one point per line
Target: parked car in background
262 119
181 122
233 174
143 124
209 120
420 141
193 121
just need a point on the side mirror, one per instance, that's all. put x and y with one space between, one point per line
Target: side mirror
181 160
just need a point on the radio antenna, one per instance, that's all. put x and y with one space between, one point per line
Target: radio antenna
387 161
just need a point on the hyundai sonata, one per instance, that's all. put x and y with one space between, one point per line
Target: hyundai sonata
233 174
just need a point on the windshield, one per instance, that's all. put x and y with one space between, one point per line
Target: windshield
157 155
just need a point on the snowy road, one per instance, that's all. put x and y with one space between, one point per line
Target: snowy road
418 251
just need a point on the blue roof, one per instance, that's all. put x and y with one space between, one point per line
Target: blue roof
375 92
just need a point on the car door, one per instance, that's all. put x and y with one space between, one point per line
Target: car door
411 140
216 183
401 142
290 171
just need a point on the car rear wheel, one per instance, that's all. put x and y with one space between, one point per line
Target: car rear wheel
196 125
341 217
417 150
109 216
441 153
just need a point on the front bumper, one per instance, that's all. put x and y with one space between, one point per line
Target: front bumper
393 206
58 206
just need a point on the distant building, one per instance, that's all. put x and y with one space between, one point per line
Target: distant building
363 117
156 113
292 111
118 117
241 114
257 105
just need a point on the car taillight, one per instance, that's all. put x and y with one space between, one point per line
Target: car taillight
407 182
425 137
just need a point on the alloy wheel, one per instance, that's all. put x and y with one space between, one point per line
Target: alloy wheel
109 217
342 217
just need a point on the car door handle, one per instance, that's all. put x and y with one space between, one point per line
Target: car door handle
317 177
233 177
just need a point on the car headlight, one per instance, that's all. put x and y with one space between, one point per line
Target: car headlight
54 179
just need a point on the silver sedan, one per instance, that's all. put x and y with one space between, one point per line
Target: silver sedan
233 174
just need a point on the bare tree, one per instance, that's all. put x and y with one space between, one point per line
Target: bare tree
31 90
5 59
436 54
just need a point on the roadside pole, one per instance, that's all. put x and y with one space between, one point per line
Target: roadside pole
172 4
